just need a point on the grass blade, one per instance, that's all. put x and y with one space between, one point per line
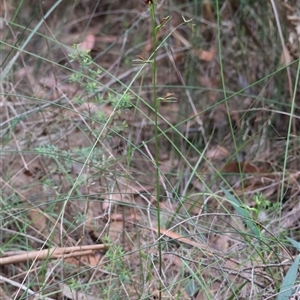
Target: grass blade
289 281
294 243
242 212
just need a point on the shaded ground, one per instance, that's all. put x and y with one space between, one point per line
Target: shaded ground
78 158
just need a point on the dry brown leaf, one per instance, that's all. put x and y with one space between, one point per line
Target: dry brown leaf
168 165
70 293
206 81
88 43
48 81
79 259
219 118
216 153
245 167
179 57
149 46
95 259
86 106
180 40
90 108
90 258
173 259
211 84
285 57
122 193
234 116
206 55
121 217
219 242
109 39
177 237
39 220
118 197
115 231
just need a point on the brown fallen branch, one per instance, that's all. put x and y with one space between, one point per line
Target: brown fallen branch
52 253
177 237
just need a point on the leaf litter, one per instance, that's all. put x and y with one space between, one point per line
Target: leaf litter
115 200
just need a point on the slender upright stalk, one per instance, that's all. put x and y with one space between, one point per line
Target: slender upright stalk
225 93
156 105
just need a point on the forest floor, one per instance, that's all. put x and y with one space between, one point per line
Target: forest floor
149 156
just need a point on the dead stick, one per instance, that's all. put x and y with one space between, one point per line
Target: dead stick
52 253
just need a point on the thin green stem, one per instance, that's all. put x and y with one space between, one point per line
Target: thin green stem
224 91
289 132
156 105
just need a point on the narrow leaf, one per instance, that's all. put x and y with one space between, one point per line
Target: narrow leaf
294 243
236 292
242 212
289 281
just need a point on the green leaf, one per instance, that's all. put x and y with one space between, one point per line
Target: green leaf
192 287
236 292
244 213
289 281
294 243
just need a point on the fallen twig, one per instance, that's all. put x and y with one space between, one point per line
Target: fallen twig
52 253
